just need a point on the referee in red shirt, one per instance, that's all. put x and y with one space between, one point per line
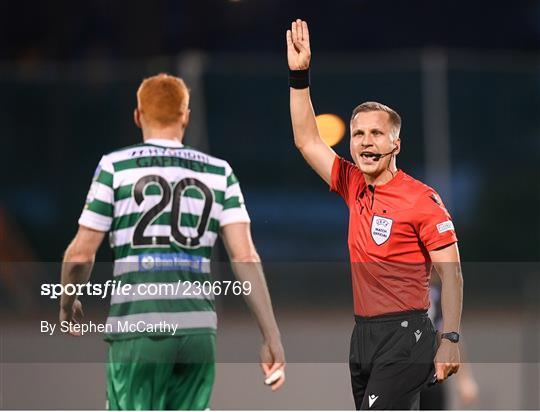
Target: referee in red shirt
398 230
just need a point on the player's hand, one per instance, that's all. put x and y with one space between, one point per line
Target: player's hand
272 360
446 360
298 51
73 314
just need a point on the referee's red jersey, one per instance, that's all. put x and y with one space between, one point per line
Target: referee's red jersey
392 228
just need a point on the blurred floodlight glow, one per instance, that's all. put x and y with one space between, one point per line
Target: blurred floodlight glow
331 127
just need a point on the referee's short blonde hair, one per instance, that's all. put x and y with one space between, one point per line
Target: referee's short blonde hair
395 119
162 99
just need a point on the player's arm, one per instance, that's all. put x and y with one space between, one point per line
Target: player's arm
246 266
306 135
76 267
446 261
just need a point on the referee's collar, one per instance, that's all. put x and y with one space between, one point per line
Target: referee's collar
164 142
398 177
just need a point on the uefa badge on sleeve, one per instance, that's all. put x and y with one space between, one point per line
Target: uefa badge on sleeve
381 227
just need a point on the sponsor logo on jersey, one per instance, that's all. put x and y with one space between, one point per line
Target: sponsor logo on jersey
445 226
170 151
154 262
381 228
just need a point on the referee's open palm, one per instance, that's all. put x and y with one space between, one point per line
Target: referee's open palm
298 51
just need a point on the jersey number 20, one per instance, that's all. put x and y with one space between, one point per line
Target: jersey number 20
168 192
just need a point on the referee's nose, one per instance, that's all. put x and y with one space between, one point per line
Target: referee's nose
367 141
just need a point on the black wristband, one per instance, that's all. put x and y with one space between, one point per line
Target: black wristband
299 79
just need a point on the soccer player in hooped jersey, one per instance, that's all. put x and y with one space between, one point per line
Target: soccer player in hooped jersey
398 229
164 205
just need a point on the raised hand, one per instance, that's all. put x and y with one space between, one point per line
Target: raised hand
298 51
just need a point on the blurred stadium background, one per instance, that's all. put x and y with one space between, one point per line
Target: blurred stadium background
465 76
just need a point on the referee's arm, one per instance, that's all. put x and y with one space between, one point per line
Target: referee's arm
317 153
446 261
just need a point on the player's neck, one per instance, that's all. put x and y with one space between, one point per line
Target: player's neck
165 133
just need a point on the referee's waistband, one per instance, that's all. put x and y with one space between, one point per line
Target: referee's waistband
391 317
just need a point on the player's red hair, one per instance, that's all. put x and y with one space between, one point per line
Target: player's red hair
162 99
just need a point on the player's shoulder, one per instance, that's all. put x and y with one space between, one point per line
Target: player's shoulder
211 159
123 152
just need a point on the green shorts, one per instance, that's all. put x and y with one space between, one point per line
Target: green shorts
161 372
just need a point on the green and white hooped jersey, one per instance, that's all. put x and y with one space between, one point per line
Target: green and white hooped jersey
163 205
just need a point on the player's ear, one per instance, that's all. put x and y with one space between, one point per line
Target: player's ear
185 118
137 118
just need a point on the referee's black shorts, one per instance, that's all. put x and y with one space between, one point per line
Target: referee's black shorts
391 360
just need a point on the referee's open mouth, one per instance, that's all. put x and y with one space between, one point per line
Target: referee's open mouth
370 157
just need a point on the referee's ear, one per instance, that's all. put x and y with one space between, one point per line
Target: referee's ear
137 118
397 146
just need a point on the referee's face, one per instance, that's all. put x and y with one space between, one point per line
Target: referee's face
370 135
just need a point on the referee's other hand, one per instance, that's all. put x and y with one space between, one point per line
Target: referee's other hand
272 360
447 360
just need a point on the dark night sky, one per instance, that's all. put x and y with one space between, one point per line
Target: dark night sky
52 109
99 28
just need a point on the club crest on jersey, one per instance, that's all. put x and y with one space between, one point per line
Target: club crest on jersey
381 228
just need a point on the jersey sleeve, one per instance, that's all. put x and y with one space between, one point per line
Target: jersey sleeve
234 209
434 224
345 175
99 207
